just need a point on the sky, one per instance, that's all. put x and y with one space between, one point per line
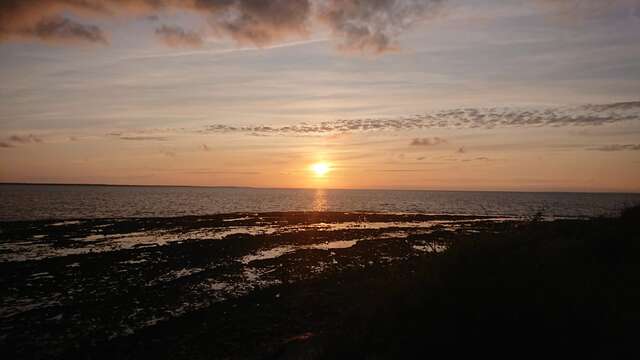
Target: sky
519 95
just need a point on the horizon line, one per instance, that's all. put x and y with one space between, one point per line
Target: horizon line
310 188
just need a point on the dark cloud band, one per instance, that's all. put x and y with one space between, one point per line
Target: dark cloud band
370 26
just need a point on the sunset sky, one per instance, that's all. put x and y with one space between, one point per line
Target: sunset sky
530 95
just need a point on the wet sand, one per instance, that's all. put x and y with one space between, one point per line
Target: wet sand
72 286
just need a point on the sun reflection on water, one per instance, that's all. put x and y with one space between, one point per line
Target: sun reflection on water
320 200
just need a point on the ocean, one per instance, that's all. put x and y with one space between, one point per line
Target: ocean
35 202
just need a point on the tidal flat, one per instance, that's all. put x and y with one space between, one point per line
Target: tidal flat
286 284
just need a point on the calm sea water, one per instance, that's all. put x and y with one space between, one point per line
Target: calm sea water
29 202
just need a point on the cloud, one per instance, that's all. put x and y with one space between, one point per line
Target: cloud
260 22
617 147
59 29
143 138
175 36
339 136
357 25
631 105
468 118
428 141
24 139
480 158
41 20
372 26
246 21
204 147
14 140
361 26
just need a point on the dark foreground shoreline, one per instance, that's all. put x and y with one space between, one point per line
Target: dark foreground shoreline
320 285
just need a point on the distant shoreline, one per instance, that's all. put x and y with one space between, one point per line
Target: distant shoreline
312 188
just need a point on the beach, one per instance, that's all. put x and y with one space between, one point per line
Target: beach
240 285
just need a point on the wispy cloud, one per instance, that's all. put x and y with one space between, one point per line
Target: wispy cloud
587 115
617 147
428 141
25 139
214 172
14 140
204 171
143 138
582 8
197 52
479 158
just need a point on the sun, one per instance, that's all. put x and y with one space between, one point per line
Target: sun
320 169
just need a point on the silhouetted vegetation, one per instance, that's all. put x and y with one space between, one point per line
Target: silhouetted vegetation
545 288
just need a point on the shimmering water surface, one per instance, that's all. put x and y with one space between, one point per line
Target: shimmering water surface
30 202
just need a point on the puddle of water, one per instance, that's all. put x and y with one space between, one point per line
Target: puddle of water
132 262
174 275
329 245
64 223
268 254
430 248
95 237
343 244
238 219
